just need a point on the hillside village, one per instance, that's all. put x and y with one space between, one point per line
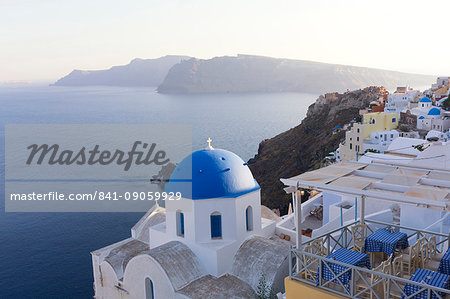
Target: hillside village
407 116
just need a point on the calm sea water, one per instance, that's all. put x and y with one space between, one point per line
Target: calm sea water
47 255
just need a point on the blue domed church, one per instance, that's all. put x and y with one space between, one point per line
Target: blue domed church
427 114
212 243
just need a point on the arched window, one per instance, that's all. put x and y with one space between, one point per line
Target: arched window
149 293
249 218
180 223
216 225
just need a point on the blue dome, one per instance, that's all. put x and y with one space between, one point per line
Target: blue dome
212 173
421 117
434 111
425 100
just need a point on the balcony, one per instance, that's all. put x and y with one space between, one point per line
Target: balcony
352 281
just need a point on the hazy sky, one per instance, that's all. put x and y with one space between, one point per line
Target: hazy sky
46 39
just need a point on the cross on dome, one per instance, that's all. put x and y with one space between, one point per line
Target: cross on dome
209 140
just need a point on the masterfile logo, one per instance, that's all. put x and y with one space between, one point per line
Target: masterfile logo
51 154
74 168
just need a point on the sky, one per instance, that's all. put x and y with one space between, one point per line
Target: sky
46 39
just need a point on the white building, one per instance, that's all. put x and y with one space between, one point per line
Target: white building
380 140
426 113
213 242
414 167
440 124
409 134
440 81
334 156
423 107
437 134
400 100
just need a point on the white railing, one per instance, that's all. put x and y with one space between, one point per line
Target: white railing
306 266
362 283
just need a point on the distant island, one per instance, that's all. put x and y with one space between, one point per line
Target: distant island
139 72
241 73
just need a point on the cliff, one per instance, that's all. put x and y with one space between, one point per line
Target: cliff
304 147
246 73
139 72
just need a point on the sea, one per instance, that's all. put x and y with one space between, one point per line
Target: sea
47 255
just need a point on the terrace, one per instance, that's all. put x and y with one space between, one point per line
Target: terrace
308 263
381 253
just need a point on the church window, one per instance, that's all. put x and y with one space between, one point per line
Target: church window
149 292
216 225
249 218
180 223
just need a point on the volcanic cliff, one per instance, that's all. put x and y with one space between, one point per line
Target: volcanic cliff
305 146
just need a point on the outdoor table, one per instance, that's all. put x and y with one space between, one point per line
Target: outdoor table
384 241
430 278
444 265
347 256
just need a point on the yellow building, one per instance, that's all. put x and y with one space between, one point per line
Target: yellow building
352 148
298 290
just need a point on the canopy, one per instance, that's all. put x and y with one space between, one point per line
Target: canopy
429 188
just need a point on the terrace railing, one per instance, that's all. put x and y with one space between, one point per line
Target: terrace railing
362 283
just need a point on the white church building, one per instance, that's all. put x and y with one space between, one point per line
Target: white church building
213 243
426 114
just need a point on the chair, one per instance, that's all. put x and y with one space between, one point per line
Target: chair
361 285
422 240
397 266
317 212
390 259
432 250
318 247
359 233
410 257
379 288
397 269
434 258
386 267
423 254
310 263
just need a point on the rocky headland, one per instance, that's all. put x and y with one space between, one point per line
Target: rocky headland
247 73
139 72
305 146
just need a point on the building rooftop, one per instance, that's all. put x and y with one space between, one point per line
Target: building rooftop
212 173
258 256
179 262
434 111
416 186
119 256
442 90
226 286
425 100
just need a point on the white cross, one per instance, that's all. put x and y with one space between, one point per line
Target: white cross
209 140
